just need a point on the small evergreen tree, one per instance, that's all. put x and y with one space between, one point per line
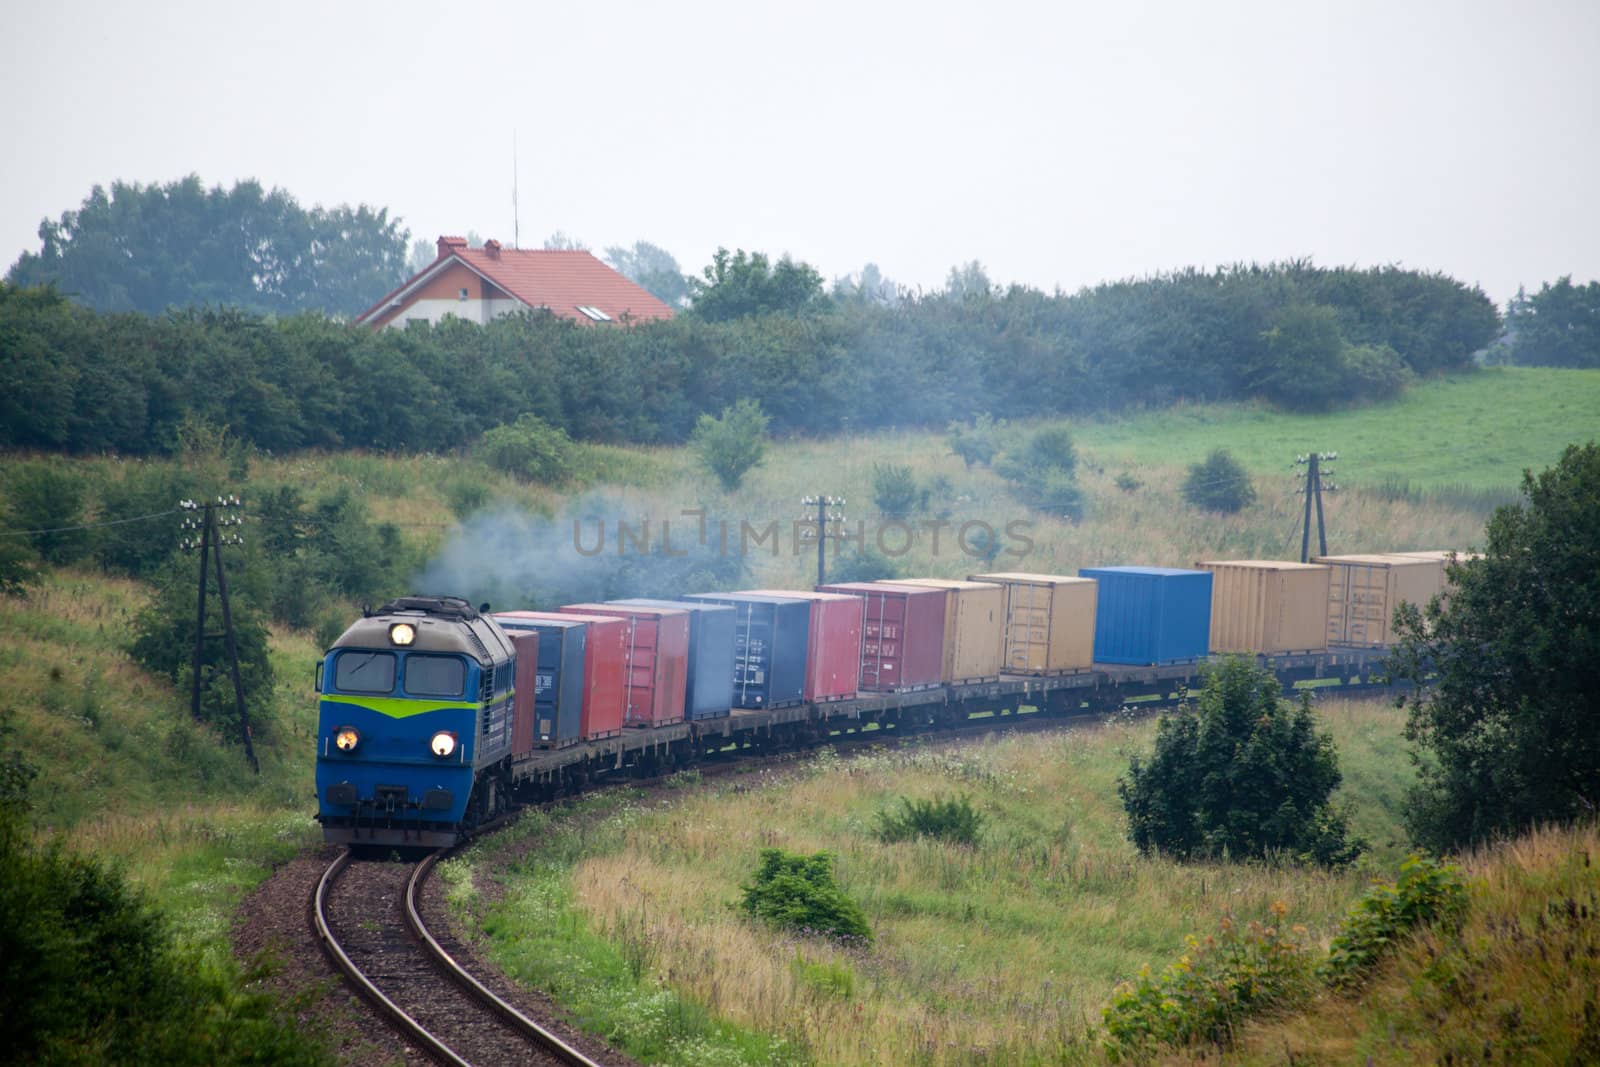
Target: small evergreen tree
977 443
1219 484
1246 775
894 489
733 444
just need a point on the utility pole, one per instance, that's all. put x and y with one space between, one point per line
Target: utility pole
210 545
822 504
1313 464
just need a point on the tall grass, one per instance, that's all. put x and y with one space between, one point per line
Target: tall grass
1000 952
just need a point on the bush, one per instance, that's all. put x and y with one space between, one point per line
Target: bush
954 820
1128 483
894 489
163 642
529 449
1219 484
19 564
1044 470
1426 892
868 565
977 443
1246 775
138 549
796 892
89 972
730 446
1216 984
49 497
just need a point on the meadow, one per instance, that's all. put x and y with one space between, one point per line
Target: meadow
1003 952
127 775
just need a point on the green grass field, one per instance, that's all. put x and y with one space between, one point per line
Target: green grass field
1477 430
1004 952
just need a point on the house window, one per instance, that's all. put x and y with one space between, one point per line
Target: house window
594 313
461 294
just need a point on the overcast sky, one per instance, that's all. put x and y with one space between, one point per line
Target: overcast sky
1060 144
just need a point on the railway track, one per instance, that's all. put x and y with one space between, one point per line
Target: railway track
368 917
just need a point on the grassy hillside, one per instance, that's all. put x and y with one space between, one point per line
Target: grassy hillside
1000 953
125 773
1477 430
1519 983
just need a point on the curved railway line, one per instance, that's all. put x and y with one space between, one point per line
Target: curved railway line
369 919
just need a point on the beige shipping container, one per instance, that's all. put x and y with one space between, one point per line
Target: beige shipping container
1363 592
1268 606
1047 624
973 613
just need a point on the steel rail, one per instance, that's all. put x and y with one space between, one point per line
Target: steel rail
335 951
519 1022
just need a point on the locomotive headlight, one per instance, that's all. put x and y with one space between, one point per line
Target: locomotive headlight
346 739
443 744
402 633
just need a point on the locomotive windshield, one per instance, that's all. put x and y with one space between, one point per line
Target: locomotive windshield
435 676
364 672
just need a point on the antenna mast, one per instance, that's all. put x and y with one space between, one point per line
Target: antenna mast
516 216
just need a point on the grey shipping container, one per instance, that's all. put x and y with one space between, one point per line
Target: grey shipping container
770 640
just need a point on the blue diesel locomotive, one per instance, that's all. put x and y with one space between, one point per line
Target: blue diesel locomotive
414 730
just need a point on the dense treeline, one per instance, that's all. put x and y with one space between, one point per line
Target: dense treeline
153 247
75 380
1559 326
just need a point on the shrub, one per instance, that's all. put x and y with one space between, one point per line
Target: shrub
733 444
1246 775
797 892
138 549
894 489
49 497
868 565
1044 470
1128 483
1219 484
19 565
977 443
1426 892
529 449
1214 986
954 820
91 974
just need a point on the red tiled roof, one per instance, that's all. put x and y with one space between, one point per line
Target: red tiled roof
561 281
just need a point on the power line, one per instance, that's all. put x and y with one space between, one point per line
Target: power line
89 525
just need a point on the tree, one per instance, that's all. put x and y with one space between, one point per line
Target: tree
1044 470
1511 725
737 285
561 242
1246 775
1559 326
731 445
653 268
894 489
867 287
529 449
150 248
1219 484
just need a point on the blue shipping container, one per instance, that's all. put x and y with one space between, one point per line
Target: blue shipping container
1150 615
769 649
713 634
553 677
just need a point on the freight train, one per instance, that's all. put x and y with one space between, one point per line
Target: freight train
436 717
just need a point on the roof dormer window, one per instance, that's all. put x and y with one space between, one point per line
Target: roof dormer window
594 313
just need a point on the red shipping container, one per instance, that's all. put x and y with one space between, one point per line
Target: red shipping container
833 647
902 635
657 660
605 662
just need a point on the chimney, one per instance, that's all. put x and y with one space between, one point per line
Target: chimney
451 245
491 247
